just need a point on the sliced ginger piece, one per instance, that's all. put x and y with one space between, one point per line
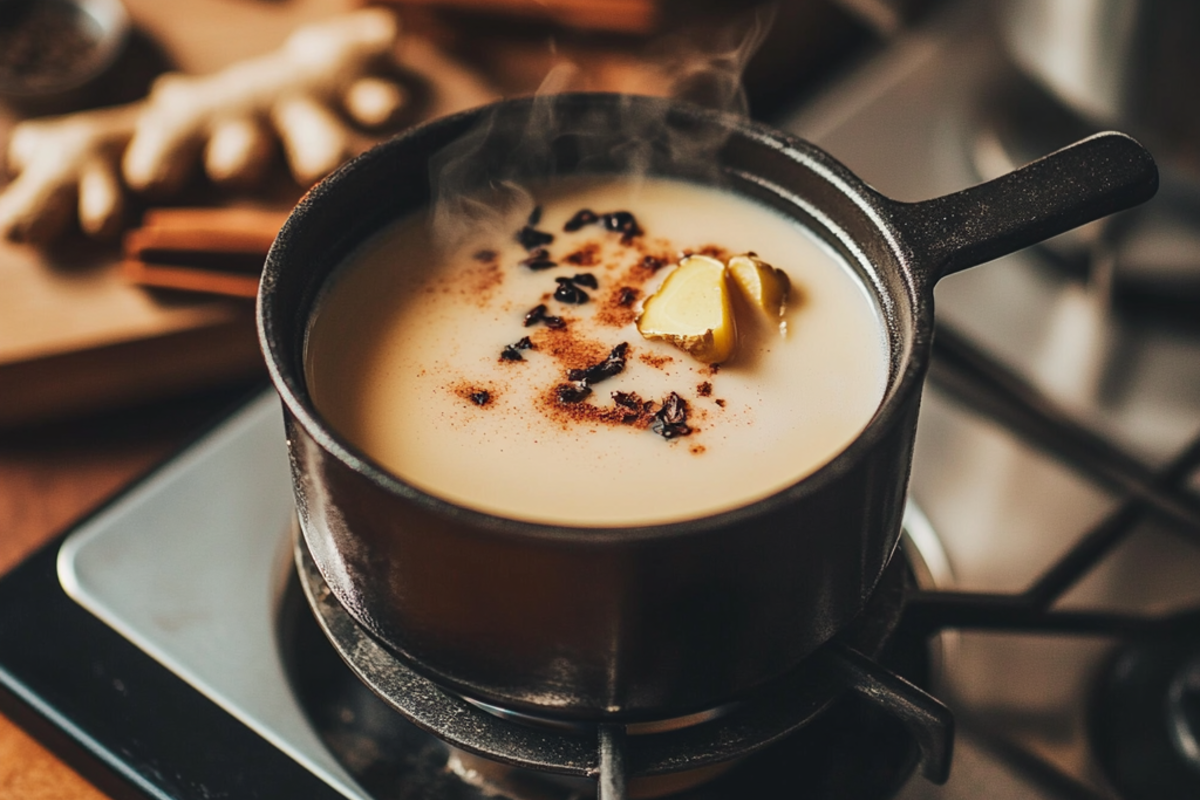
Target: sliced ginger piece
763 286
692 311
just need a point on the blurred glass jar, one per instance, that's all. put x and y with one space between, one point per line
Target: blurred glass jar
1126 64
52 50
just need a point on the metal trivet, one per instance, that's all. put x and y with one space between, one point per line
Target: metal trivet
613 758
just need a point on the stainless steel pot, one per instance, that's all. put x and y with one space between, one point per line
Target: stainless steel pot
659 621
1129 64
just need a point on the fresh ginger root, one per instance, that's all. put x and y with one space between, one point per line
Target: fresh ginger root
70 162
67 164
292 90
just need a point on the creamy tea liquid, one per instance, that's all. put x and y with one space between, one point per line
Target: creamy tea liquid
416 357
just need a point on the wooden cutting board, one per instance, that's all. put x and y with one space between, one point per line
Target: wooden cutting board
75 336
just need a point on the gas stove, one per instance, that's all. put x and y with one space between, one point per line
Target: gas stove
168 641
196 567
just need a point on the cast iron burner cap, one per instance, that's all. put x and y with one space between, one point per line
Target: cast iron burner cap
1146 719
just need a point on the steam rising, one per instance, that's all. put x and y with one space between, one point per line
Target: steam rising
478 181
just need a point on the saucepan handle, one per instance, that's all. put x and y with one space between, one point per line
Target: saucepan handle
1087 180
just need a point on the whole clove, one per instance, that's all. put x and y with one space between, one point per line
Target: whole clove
613 365
624 223
621 222
531 239
538 314
539 259
512 352
535 315
572 393
582 217
632 406
568 292
670 421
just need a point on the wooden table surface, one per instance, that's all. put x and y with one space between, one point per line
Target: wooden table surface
43 487
51 477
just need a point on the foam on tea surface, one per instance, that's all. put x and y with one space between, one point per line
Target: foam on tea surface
438 364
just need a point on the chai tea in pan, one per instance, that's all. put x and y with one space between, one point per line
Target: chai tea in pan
524 370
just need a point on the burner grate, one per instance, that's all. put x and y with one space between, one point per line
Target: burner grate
1163 647
606 753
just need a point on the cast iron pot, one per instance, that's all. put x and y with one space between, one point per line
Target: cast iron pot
649 622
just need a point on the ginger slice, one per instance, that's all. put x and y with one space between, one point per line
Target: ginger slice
692 311
763 286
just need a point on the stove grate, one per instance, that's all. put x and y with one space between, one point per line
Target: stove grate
1171 642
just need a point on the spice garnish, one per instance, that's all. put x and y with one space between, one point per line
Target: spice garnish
512 352
621 222
632 404
539 259
626 295
704 389
670 421
585 279
582 217
538 314
485 255
613 365
481 398
535 216
586 256
653 263
624 223
572 393
535 315
531 239
628 400
568 292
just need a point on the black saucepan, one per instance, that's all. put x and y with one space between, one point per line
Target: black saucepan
643 622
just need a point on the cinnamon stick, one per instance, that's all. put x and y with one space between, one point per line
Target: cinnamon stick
208 250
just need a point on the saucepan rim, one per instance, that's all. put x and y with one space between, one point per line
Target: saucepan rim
905 377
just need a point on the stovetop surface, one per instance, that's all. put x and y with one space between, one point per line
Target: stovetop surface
914 123
179 577
193 567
